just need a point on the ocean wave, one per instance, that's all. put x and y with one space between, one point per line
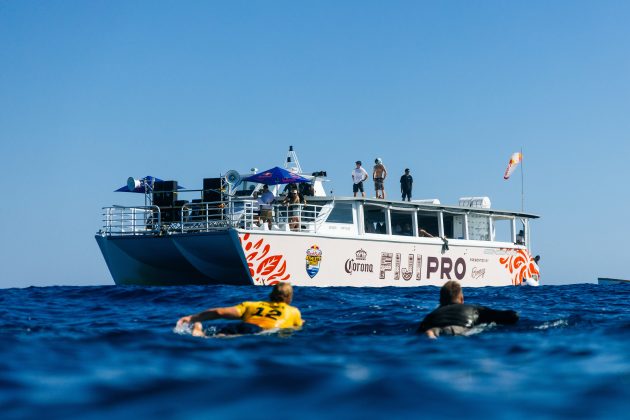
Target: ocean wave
559 323
107 351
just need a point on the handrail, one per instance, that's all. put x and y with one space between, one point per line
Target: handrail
209 216
136 220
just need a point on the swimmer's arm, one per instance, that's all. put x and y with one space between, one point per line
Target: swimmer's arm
231 312
433 333
487 315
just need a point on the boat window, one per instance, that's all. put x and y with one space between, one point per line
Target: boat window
402 222
502 228
341 213
521 228
374 218
478 227
428 224
453 226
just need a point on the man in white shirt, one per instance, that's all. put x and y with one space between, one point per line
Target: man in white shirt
265 201
358 176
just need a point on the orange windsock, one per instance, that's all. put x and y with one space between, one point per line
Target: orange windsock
514 161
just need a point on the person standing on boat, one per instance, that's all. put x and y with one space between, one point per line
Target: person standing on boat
379 174
406 182
306 190
255 316
453 317
266 200
294 202
358 176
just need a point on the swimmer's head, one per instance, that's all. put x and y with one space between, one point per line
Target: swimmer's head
451 293
281 292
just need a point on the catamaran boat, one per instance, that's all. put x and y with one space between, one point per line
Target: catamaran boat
219 237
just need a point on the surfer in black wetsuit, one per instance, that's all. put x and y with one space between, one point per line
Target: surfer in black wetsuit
453 317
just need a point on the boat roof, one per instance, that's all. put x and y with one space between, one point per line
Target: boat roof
425 206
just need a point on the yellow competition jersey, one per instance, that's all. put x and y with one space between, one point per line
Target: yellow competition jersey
270 314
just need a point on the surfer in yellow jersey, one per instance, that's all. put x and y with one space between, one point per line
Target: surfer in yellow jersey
255 316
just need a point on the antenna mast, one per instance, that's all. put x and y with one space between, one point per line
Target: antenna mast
292 161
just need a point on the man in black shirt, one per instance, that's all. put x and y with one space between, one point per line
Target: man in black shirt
406 182
453 317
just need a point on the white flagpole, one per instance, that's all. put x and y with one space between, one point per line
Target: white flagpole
522 184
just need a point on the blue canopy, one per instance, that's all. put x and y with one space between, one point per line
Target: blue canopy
276 176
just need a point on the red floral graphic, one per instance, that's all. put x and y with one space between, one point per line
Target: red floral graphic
263 268
520 264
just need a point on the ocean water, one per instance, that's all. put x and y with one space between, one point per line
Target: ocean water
112 352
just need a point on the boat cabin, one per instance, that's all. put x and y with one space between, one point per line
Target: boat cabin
223 207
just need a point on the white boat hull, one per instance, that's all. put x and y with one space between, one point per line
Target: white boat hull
381 261
263 258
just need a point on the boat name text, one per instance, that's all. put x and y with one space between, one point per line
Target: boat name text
443 267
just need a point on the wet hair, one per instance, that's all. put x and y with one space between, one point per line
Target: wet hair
281 292
450 293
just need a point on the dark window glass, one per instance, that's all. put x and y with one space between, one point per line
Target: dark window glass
374 218
402 223
341 213
428 223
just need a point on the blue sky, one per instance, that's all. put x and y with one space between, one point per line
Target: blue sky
94 92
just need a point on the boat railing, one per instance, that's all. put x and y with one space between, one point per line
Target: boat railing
210 216
138 220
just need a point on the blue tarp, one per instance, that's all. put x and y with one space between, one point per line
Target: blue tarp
275 176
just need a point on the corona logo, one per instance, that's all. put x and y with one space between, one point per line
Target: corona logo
360 264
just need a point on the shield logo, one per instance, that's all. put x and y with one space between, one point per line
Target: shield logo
313 260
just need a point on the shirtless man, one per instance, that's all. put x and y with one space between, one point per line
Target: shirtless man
379 174
255 316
